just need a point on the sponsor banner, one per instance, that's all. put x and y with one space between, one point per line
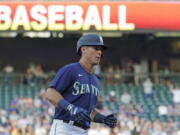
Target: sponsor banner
89 16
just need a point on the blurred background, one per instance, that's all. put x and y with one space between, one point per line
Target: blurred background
139 73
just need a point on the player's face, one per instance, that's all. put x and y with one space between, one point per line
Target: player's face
93 54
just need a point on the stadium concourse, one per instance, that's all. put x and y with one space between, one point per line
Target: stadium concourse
145 104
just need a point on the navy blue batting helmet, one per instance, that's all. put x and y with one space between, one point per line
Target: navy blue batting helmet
90 40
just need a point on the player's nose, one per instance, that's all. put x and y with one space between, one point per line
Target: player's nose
99 52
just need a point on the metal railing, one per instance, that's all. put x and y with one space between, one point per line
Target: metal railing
158 77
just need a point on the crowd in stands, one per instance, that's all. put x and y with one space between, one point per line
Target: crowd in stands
137 72
128 71
33 115
34 74
27 116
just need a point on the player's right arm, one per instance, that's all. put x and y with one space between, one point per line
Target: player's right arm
61 83
81 115
53 96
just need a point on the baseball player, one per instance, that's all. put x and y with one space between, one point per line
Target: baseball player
75 89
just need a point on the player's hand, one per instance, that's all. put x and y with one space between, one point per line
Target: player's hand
80 115
110 121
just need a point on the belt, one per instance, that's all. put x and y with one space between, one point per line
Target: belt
75 124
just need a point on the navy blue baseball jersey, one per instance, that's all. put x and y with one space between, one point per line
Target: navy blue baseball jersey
77 86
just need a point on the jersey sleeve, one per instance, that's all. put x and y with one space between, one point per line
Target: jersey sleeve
62 80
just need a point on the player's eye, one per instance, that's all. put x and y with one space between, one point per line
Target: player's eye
97 48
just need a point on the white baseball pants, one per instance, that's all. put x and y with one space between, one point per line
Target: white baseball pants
60 128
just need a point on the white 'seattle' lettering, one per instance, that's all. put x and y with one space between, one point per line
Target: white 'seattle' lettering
79 89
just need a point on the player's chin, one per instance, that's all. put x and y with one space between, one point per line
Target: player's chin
96 62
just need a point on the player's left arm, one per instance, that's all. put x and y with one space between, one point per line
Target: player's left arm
109 120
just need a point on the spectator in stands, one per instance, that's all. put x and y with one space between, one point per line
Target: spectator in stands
109 74
124 130
146 128
31 68
3 120
111 100
118 75
23 122
148 87
35 74
176 95
40 130
126 97
136 125
137 72
29 130
14 117
144 68
129 72
8 71
168 83
3 131
178 109
163 110
157 128
30 75
171 111
111 97
16 131
39 74
139 109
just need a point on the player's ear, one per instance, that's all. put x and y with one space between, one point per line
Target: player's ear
83 49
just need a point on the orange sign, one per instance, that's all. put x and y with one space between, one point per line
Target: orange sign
85 16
